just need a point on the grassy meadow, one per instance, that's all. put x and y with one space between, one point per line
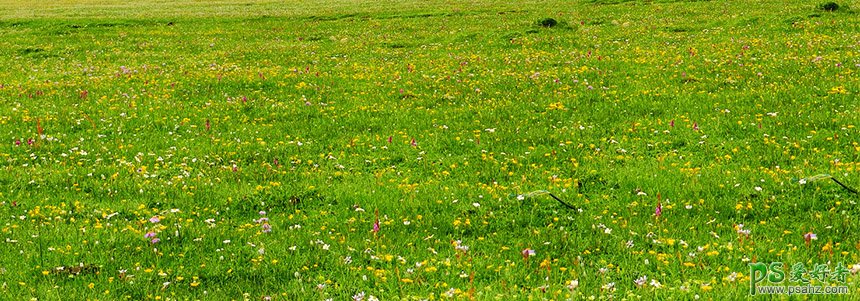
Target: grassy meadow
403 150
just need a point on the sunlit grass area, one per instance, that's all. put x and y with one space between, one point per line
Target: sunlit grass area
412 150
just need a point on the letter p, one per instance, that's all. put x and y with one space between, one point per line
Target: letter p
758 272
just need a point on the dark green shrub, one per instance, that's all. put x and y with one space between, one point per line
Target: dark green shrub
829 6
547 22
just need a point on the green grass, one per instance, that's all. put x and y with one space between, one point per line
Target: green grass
441 115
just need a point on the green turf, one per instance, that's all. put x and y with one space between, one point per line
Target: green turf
442 115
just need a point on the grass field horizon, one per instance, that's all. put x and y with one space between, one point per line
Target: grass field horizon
407 150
